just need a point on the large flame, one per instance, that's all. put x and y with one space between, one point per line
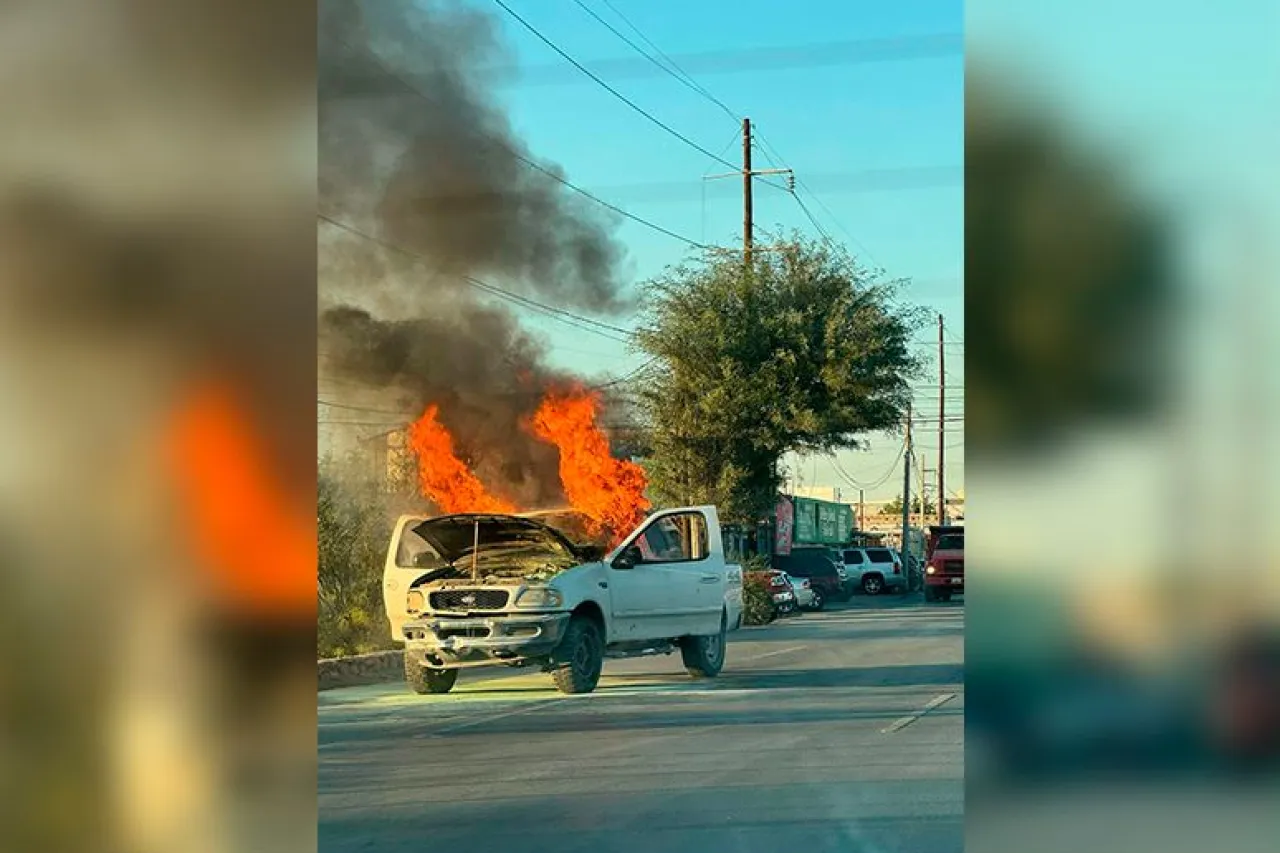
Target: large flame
608 491
442 475
257 538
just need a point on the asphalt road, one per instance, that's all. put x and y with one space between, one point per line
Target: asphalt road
840 731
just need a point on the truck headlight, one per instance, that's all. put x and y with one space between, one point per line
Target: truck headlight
930 570
415 601
539 596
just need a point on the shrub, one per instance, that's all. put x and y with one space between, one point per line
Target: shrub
352 534
757 602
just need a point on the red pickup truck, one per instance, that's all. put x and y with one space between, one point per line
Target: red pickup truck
944 566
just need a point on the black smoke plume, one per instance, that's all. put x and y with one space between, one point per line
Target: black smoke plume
425 190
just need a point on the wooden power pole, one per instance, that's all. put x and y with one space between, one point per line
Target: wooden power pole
748 174
942 425
906 488
747 219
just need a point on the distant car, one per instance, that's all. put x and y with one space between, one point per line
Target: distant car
874 570
816 565
807 598
780 589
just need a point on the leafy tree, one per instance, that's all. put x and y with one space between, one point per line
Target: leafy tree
1067 278
802 353
894 507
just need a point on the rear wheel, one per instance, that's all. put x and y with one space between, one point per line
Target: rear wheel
704 656
873 584
579 658
424 679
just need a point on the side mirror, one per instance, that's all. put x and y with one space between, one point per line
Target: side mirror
628 559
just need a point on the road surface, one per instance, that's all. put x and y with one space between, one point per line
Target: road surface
839 731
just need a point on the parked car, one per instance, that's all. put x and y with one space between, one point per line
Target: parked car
818 566
874 570
807 598
780 589
503 590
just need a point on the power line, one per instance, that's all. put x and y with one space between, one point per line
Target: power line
892 470
576 64
671 69
394 426
533 164
680 74
627 376
790 57
364 409
577 321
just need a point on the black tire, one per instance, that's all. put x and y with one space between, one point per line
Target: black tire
819 601
424 680
704 656
579 658
930 594
872 584
946 595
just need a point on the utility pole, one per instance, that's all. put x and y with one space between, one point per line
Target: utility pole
862 513
747 219
747 174
942 425
920 469
906 489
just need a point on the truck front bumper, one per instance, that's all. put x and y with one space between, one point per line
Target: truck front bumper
952 583
446 642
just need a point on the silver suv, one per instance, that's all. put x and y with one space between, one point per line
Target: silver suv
875 569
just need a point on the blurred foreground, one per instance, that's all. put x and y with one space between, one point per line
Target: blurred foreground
1123 632
157 544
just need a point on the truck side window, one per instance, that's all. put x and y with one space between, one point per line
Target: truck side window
677 538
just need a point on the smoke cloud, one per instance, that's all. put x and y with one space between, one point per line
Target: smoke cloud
417 159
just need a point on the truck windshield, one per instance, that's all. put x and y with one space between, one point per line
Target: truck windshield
950 542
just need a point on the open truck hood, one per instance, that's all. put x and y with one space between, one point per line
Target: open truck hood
505 538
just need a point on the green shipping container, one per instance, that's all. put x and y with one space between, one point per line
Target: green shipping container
821 522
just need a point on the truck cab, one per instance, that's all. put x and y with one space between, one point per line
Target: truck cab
474 590
944 563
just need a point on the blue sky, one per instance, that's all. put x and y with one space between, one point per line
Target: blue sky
833 122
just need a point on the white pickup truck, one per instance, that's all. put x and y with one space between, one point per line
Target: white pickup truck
490 590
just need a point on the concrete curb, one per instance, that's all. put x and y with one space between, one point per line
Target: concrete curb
357 670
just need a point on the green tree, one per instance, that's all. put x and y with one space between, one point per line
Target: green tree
803 354
1069 315
894 507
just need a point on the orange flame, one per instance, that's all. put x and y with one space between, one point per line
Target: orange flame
256 537
608 491
442 475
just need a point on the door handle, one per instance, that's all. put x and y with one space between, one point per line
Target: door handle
603 584
709 578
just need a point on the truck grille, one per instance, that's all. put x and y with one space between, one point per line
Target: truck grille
467 600
953 567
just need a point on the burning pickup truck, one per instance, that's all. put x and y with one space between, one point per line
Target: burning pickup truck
492 589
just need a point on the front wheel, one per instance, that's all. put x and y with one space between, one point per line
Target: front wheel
704 656
579 659
424 680
818 601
